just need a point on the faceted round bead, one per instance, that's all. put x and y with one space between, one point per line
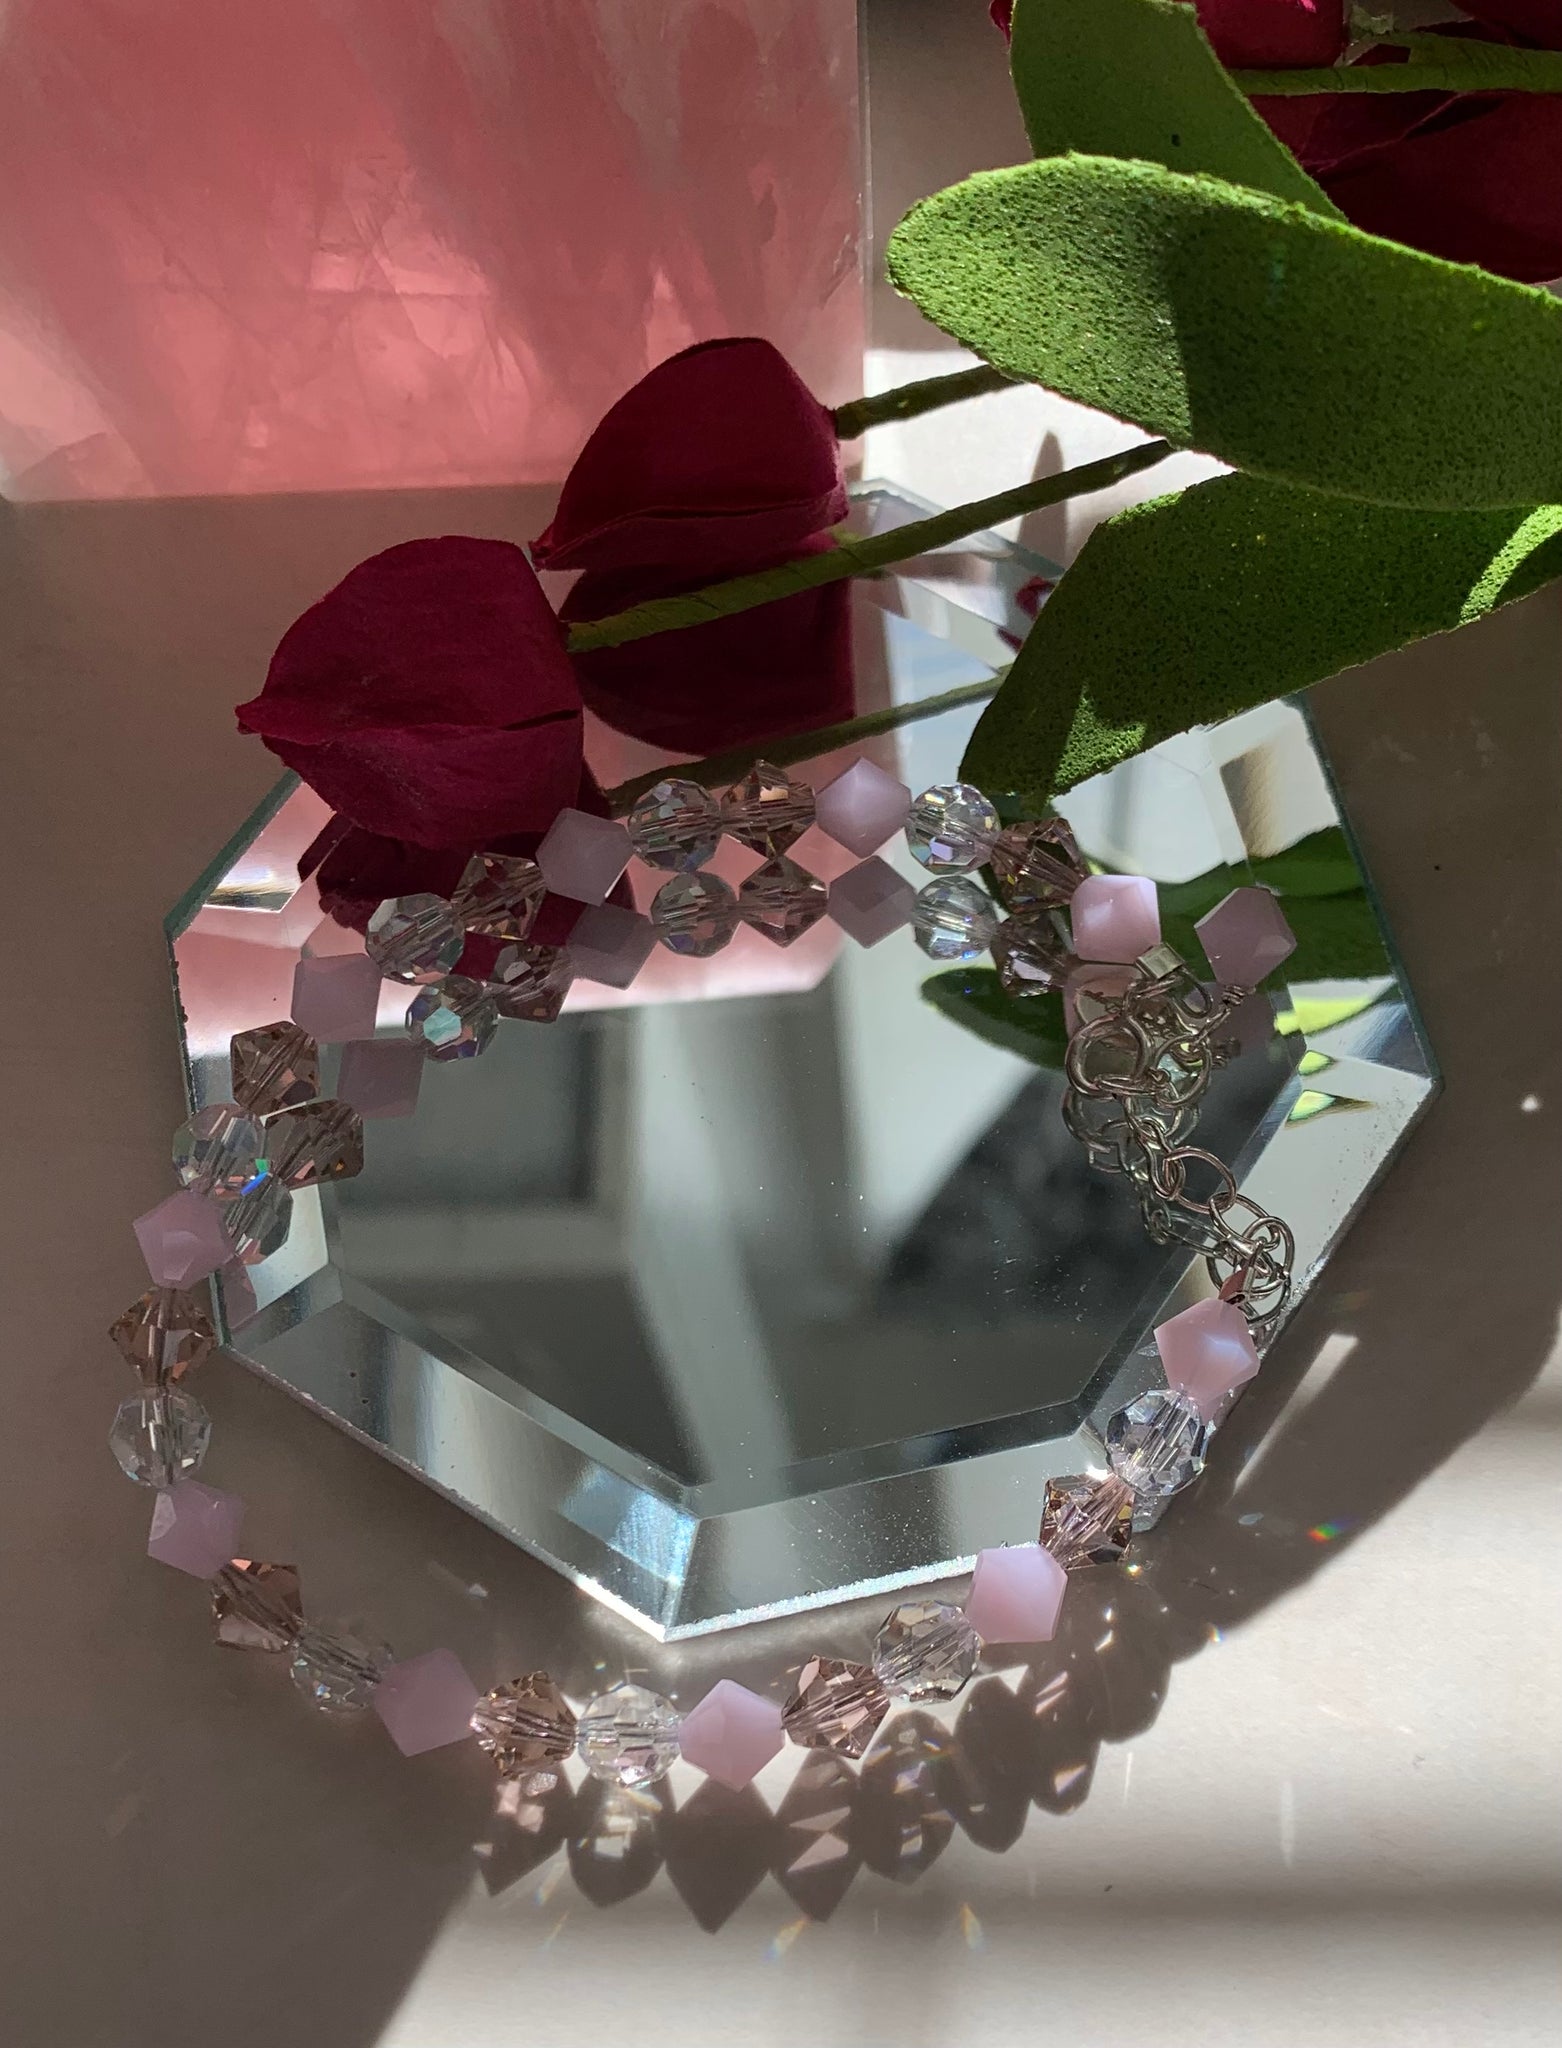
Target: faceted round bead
1157 1444
954 919
676 824
336 1669
1037 866
781 901
695 915
835 1705
314 1142
414 938
524 1725
530 982
164 1335
768 810
159 1435
1030 954
951 826
629 1736
258 1223
1087 1519
498 895
273 1065
925 1650
215 1150
455 1020
257 1606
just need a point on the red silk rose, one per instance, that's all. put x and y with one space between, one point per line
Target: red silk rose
717 462
428 697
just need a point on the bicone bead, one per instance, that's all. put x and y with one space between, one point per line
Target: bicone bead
337 1669
380 1077
524 1725
314 1142
215 1150
1037 866
454 1020
498 895
426 1702
676 824
336 997
862 808
582 856
694 915
256 1605
1208 1352
835 1705
781 901
768 809
951 826
273 1065
1157 1444
732 1734
414 939
870 901
160 1435
954 919
1016 1594
195 1528
183 1239
164 1335
628 1736
1087 1519
1031 954
925 1650
529 982
1115 917
610 944
1246 937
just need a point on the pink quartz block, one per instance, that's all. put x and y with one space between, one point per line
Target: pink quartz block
1246 937
1208 1352
380 1076
195 1528
1015 1594
1114 917
337 997
862 808
871 901
611 945
1100 980
182 1239
732 1734
582 856
426 1701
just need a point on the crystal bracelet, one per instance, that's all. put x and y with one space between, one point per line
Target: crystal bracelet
1146 1036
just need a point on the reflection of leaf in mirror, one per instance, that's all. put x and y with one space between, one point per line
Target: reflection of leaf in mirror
973 997
1319 865
1312 1103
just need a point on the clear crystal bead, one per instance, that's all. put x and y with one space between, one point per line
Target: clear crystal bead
414 938
951 826
629 1736
676 824
159 1435
498 895
768 809
530 982
695 915
215 1150
954 919
1031 954
925 1650
314 1142
1037 866
258 1222
164 1335
835 1705
1157 1444
455 1020
274 1065
525 1725
781 901
257 1606
337 1669
1087 1519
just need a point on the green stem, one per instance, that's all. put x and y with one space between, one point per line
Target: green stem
910 401
858 555
784 748
1435 64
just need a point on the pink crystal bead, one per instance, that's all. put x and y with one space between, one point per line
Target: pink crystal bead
1115 917
1246 937
1015 1595
256 1605
337 997
862 808
1207 1352
610 944
836 1705
870 901
182 1239
732 1734
582 857
195 1528
380 1076
426 1702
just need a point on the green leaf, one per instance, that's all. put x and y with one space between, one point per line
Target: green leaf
1319 865
1291 346
1433 63
1136 78
1188 609
973 997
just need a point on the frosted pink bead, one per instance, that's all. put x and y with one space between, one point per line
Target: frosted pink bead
182 1239
861 808
426 1701
870 901
582 856
732 1734
1246 937
1114 917
1015 1594
336 998
1207 1350
381 1076
195 1528
610 944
